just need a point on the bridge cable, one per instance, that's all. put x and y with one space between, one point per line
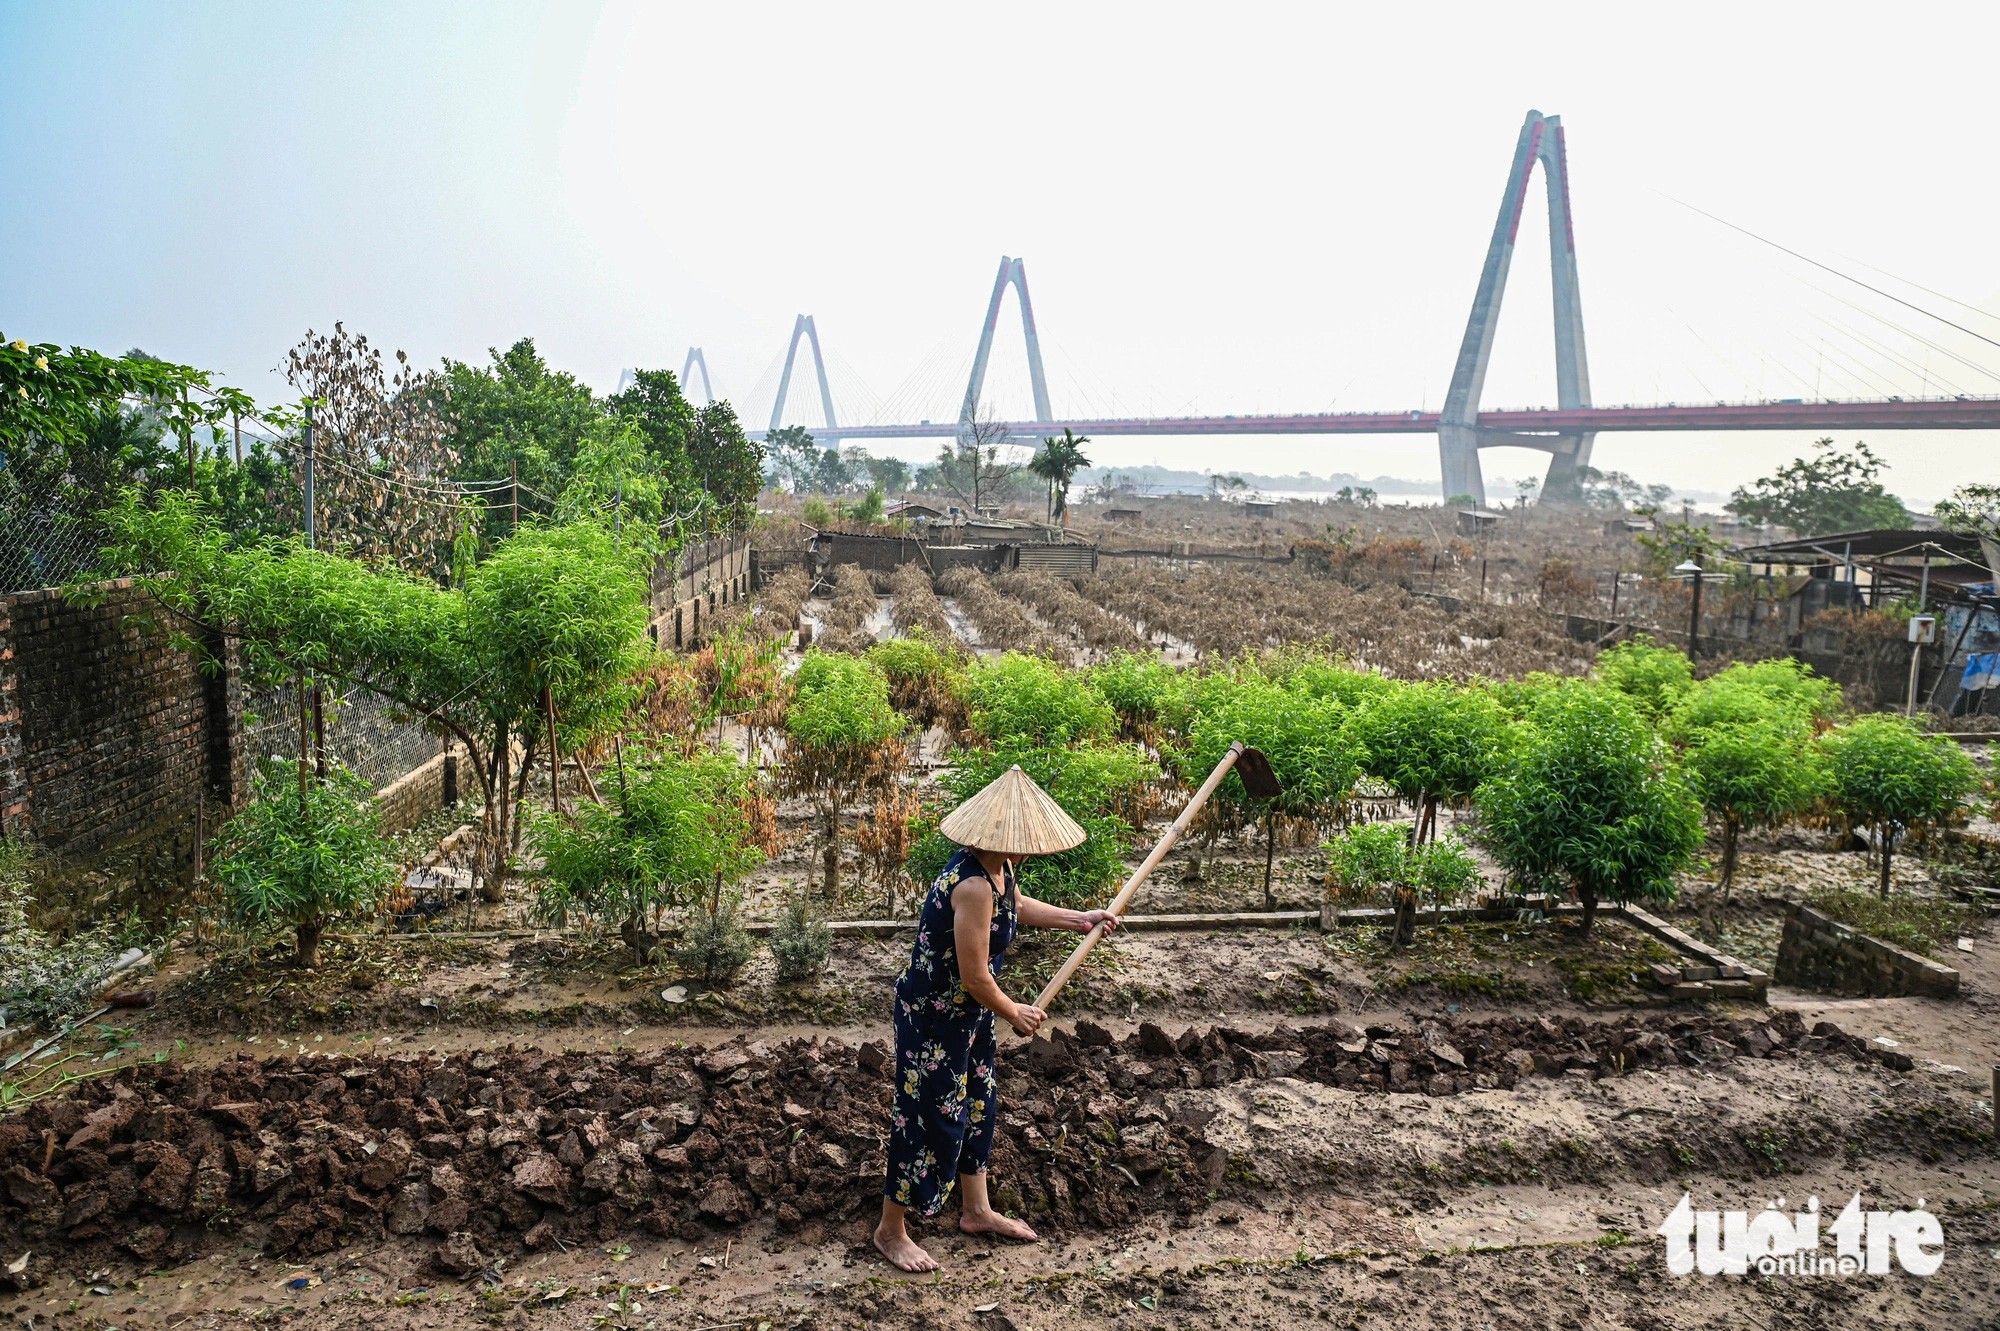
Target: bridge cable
1835 271
1984 314
1913 335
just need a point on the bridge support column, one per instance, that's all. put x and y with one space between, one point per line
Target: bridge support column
1458 440
1458 460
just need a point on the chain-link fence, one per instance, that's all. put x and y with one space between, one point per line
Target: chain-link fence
364 734
49 534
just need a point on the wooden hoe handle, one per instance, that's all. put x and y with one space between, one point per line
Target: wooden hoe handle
1139 875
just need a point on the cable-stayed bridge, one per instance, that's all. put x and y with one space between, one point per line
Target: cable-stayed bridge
1566 431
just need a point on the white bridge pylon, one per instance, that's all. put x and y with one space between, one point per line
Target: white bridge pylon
1459 435
695 360
1012 271
801 327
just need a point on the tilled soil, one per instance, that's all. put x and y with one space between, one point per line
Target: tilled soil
504 1151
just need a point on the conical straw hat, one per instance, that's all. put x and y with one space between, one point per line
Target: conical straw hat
1013 816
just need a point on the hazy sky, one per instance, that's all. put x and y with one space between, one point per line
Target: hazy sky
1222 208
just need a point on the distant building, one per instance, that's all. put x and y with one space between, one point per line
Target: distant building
1473 521
911 511
1261 508
1123 514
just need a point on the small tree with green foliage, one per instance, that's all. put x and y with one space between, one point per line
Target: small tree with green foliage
551 624
1312 752
303 855
673 829
1150 696
1026 700
843 739
1591 802
1832 491
1752 774
1745 738
1377 861
1652 676
1431 742
1884 773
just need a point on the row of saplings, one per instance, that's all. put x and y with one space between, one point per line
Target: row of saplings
1597 787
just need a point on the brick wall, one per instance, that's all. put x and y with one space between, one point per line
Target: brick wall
706 578
404 802
13 781
109 735
1820 953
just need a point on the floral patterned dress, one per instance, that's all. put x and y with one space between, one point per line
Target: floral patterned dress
947 1095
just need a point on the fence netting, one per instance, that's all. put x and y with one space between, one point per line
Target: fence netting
364 734
50 534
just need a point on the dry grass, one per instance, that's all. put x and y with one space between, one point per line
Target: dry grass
1222 611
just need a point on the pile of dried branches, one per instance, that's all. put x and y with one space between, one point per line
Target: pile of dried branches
776 613
916 605
844 627
1002 623
1088 625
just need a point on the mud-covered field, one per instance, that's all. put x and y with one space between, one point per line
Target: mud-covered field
502 1153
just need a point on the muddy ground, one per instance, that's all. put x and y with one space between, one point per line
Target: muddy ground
1265 1175
1503 1169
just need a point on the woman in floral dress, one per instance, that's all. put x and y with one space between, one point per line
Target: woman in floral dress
947 1093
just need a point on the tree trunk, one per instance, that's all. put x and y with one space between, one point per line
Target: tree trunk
555 751
513 811
637 938
1406 919
1888 849
1589 910
493 869
830 857
1270 852
1728 854
309 946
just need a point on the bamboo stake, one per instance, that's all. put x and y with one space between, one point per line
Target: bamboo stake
1139 875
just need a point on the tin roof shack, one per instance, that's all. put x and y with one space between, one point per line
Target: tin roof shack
1949 574
1475 521
991 547
1260 508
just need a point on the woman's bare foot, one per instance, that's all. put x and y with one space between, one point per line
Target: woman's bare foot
990 1221
902 1250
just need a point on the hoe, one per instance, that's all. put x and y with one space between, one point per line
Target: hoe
1258 781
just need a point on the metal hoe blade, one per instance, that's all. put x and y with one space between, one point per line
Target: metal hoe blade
1259 781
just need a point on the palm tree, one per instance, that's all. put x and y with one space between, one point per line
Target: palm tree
1059 461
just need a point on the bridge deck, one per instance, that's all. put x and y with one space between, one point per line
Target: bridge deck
1955 413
